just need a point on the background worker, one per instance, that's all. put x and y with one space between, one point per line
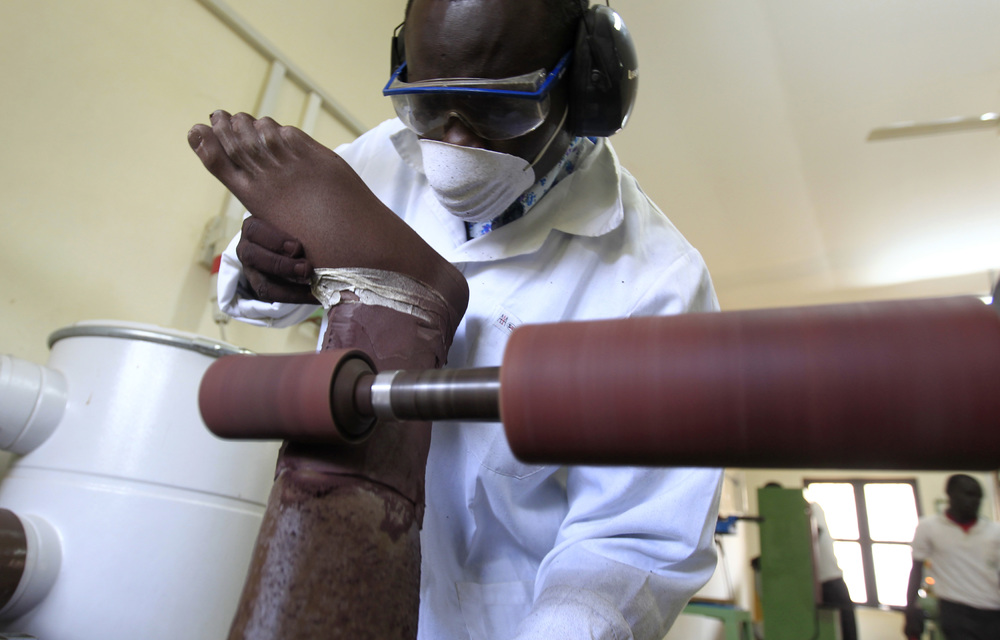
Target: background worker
508 176
831 576
964 553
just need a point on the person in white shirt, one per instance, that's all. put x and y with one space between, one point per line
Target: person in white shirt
529 201
831 576
963 551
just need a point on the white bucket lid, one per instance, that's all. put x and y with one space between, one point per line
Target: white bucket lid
147 333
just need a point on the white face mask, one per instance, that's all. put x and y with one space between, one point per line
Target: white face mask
474 184
477 185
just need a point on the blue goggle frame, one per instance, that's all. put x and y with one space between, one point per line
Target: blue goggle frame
395 86
494 109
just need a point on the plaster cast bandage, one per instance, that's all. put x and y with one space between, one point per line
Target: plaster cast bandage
375 287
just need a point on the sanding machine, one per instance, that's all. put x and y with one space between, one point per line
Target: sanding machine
897 384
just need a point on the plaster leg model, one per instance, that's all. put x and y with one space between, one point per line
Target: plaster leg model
338 554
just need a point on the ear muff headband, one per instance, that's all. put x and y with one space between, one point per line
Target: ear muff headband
604 77
398 54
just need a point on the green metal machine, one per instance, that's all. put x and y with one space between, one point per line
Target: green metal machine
790 593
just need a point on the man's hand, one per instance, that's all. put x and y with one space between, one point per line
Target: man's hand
914 625
274 263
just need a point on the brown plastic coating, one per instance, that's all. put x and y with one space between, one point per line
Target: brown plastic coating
889 385
338 555
282 396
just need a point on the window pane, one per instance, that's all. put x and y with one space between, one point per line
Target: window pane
892 512
892 571
849 558
837 500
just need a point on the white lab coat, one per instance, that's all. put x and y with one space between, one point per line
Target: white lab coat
827 567
512 550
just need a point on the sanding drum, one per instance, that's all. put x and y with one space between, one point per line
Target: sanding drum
301 397
888 385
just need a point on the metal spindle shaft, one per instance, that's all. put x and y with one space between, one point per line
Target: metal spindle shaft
438 394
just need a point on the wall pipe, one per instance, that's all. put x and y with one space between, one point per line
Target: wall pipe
221 229
233 210
260 44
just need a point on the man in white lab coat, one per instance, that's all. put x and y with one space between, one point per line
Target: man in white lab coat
539 216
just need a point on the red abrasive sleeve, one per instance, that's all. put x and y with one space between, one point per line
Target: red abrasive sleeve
888 385
282 397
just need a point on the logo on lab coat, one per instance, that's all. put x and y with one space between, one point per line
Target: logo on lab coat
505 321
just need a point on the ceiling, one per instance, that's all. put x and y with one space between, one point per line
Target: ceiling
750 133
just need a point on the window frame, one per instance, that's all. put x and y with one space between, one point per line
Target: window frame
864 532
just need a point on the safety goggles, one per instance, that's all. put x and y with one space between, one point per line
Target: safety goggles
493 109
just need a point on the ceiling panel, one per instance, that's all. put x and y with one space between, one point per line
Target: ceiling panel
751 134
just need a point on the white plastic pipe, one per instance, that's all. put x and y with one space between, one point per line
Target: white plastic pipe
38 561
32 402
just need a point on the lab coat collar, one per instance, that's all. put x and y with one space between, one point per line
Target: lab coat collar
587 203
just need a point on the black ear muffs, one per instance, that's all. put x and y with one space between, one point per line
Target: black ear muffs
604 78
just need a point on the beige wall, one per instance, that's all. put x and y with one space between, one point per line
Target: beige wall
102 203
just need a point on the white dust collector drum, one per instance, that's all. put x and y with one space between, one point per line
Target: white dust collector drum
147 519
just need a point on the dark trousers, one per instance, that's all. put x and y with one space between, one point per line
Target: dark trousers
962 622
835 594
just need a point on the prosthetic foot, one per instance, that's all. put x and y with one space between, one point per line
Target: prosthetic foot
288 179
338 553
